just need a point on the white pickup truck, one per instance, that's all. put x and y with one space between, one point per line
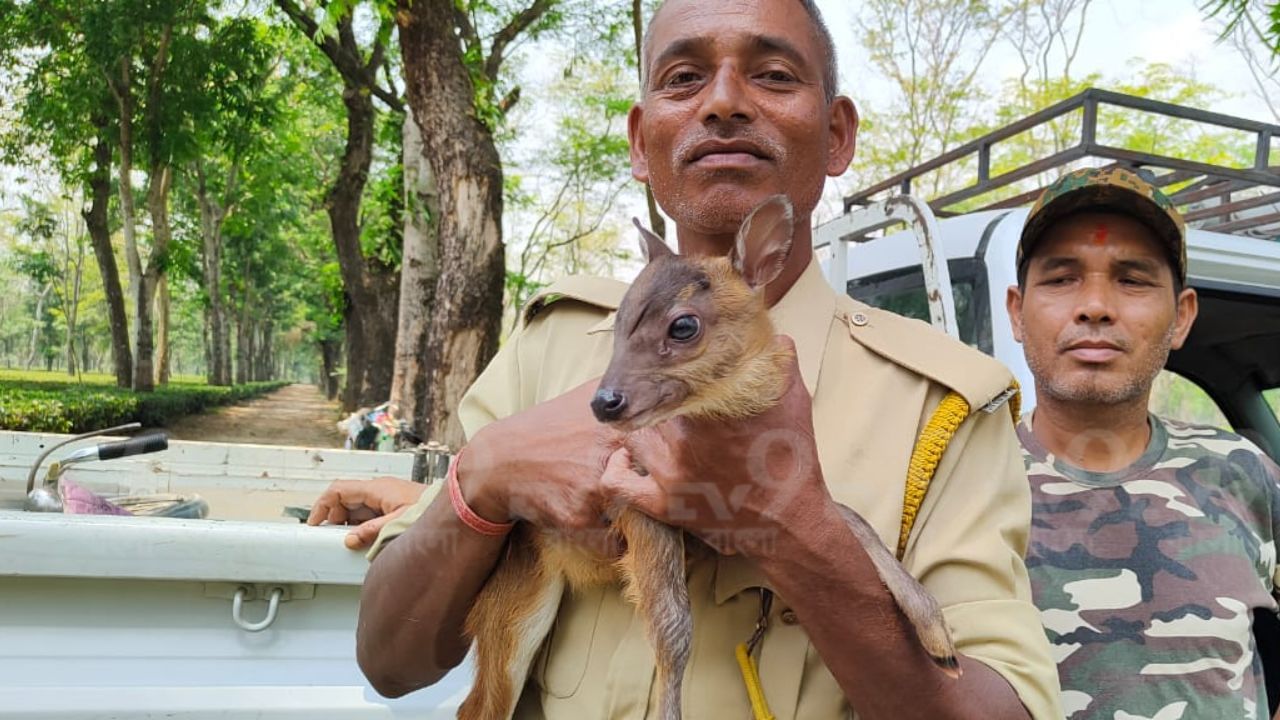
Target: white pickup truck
109 617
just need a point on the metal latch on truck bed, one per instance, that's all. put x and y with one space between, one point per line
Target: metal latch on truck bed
273 593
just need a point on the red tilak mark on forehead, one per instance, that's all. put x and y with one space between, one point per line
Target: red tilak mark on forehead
1100 234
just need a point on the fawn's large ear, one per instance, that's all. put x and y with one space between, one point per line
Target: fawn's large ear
651 246
764 242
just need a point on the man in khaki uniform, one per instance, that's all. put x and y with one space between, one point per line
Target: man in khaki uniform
738 105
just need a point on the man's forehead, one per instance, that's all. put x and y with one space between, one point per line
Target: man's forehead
1099 228
1118 233
690 22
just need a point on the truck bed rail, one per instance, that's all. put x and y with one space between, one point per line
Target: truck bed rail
1232 191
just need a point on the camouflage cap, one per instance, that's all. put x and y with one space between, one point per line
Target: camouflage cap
1101 189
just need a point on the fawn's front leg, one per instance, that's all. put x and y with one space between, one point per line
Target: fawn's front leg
919 607
653 571
509 620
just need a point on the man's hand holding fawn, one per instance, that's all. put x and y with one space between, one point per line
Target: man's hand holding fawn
541 466
740 485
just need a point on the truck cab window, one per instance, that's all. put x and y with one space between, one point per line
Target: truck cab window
902 292
1272 397
1177 398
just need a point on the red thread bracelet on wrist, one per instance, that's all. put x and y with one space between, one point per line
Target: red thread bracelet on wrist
464 512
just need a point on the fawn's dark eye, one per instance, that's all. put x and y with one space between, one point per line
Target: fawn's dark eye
684 328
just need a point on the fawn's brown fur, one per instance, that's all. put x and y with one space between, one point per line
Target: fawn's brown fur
730 367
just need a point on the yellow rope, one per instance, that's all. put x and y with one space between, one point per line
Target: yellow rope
751 678
928 451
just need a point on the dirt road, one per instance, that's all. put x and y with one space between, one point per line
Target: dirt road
292 415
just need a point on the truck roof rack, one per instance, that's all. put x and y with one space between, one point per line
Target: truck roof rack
1220 198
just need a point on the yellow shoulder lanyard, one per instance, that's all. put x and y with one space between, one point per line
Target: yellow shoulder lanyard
926 455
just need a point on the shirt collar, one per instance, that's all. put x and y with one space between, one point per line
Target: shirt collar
806 313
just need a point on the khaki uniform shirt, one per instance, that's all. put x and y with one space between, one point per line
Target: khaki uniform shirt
875 378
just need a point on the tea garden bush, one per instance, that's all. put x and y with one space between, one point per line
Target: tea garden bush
46 402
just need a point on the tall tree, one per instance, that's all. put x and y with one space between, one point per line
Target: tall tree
371 286
99 229
235 125
146 55
452 79
66 111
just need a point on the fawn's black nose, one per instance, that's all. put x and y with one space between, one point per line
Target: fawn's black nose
608 404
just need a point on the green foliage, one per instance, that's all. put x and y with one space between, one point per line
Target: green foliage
43 402
565 196
1236 13
1175 397
936 53
1272 397
382 209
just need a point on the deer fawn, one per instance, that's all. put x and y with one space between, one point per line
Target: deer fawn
691 337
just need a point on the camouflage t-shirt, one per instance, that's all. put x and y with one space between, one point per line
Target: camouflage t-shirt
1147 578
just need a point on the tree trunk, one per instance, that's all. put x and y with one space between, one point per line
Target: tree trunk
71 303
159 179
34 351
205 347
419 272
163 348
372 289
330 356
128 210
467 314
144 375
85 358
243 344
264 361
242 350
95 219
212 215
251 349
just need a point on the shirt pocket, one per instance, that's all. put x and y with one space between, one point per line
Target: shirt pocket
567 651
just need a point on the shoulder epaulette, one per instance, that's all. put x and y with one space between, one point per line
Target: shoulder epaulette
983 382
605 293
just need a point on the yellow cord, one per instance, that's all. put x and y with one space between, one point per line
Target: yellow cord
925 457
1015 402
751 678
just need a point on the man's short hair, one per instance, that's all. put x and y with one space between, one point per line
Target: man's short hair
820 31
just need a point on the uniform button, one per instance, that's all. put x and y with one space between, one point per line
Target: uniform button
859 319
789 617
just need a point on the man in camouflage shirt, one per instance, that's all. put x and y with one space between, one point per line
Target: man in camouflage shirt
1152 541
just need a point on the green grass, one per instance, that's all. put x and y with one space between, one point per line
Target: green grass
41 401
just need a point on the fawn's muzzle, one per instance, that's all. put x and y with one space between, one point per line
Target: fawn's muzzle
608 404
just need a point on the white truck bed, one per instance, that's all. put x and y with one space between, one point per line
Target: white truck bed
123 617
